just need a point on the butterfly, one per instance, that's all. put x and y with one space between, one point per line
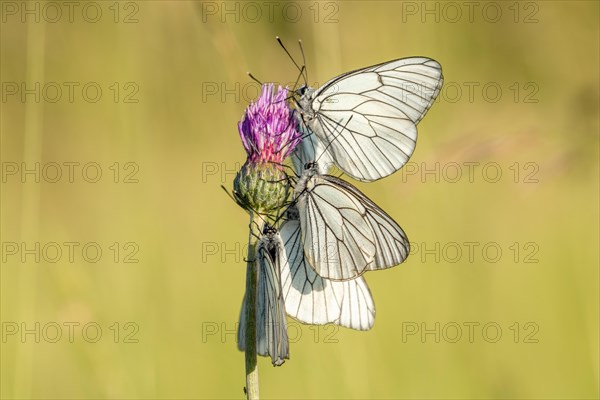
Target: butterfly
344 233
287 284
376 111
271 322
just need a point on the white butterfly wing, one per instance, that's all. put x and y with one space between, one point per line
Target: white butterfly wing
314 300
271 323
357 310
367 118
391 243
337 239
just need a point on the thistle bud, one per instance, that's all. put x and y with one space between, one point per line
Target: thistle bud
261 187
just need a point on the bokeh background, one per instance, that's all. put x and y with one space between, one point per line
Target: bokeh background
521 98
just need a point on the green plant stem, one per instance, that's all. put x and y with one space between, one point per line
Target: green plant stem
251 364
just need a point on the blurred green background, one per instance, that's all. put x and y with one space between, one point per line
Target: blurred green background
521 97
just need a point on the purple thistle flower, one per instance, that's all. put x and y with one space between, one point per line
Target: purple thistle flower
269 130
269 133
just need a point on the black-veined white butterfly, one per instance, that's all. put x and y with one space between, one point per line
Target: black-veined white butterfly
344 233
312 299
287 284
271 322
366 119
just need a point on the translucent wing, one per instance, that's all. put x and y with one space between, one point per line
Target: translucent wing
367 118
271 322
311 149
314 300
337 239
391 243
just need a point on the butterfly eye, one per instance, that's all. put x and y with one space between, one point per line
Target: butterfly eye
302 90
310 165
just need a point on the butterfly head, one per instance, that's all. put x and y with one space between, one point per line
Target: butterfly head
311 166
305 94
269 231
269 240
302 90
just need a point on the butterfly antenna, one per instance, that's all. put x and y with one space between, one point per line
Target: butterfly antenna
290 177
292 93
244 205
288 53
227 191
280 216
253 78
293 97
303 62
286 179
297 80
229 194
290 97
